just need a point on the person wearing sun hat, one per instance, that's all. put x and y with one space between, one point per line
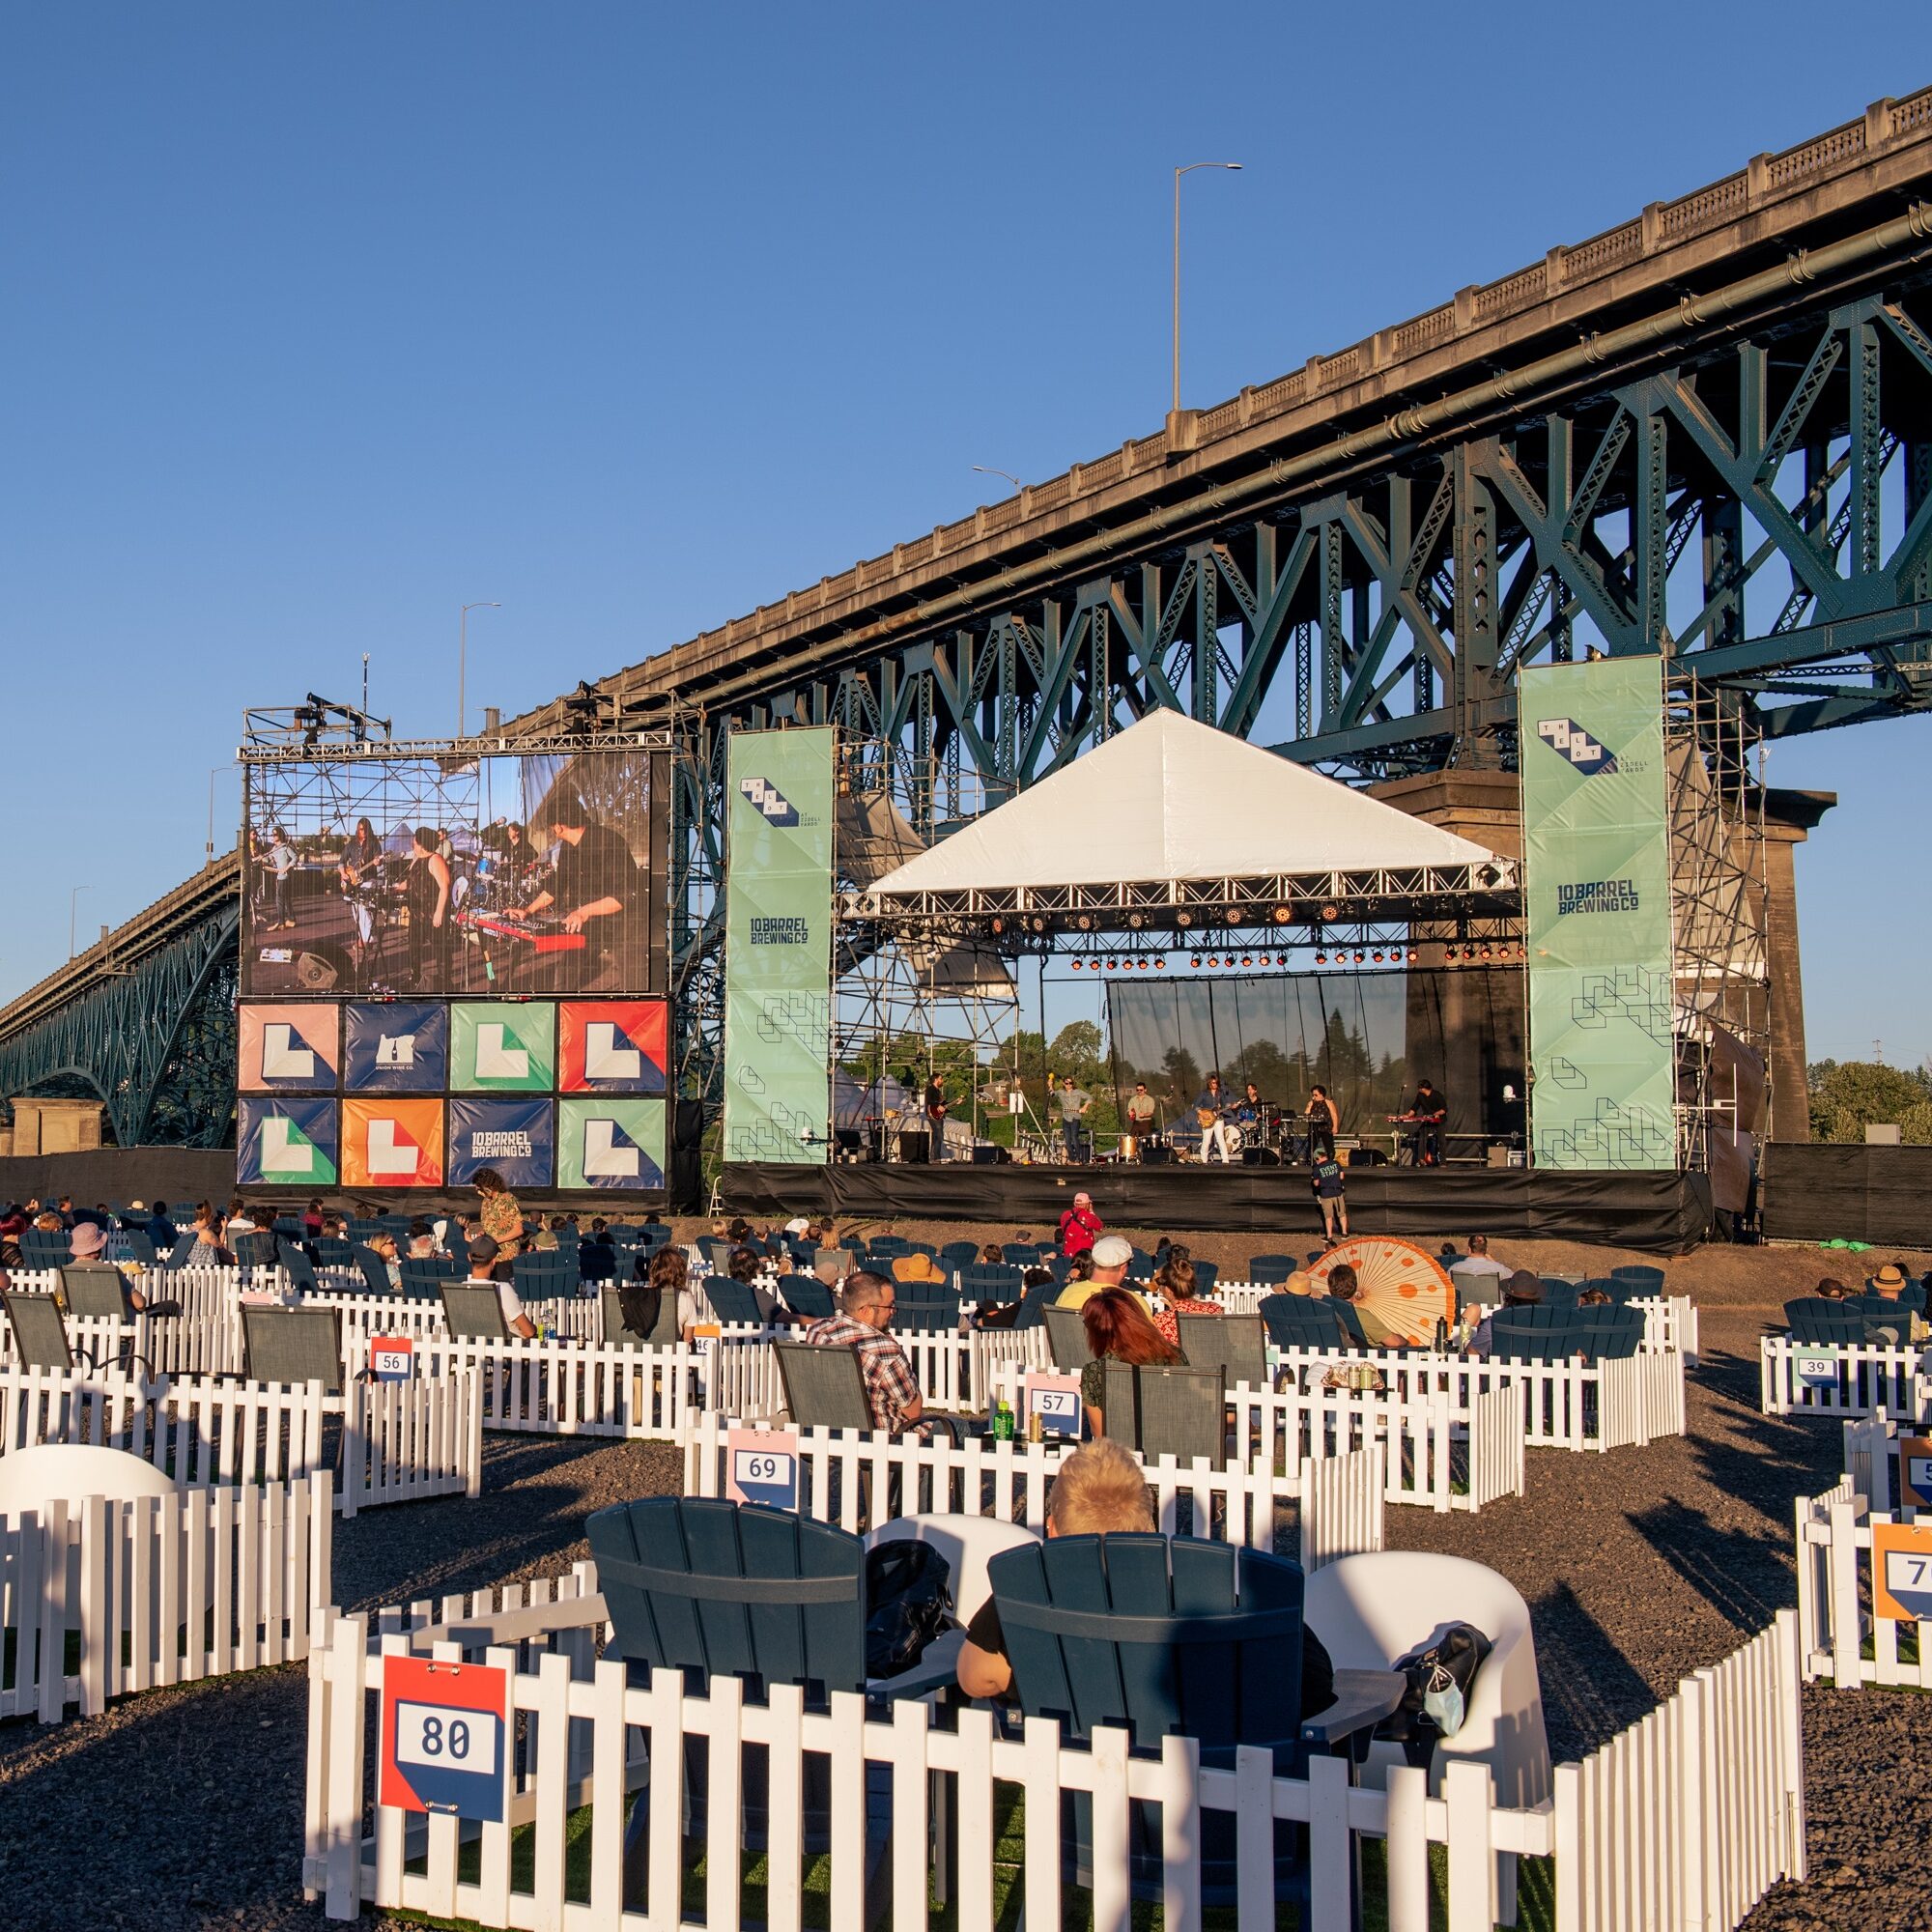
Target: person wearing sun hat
1889 1284
88 1246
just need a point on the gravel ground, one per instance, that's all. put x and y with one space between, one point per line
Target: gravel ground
183 1808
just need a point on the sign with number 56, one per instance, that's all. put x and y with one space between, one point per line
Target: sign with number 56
443 1726
1902 1571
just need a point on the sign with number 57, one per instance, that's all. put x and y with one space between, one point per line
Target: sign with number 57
1902 1571
443 1726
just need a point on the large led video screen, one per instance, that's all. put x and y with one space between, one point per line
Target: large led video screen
500 877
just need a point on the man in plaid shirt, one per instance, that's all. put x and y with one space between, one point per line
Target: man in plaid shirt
865 1307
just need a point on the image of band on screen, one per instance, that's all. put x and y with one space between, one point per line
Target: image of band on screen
532 874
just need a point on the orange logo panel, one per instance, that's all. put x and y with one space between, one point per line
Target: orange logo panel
391 1142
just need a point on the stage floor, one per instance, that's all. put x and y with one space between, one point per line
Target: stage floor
1663 1213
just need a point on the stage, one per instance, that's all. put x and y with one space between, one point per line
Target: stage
1656 1212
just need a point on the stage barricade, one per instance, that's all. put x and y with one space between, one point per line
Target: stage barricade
859 1479
149 1591
395 1442
1807 1378
1676 1820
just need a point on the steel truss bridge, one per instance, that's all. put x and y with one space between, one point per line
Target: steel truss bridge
1705 433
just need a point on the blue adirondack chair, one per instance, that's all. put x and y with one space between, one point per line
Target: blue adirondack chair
1649 1280
1820 1322
805 1295
983 1282
733 1301
543 1274
1267 1270
331 1251
1161 1636
45 1248
1536 1335
925 1308
375 1270
958 1255
1300 1322
1609 1334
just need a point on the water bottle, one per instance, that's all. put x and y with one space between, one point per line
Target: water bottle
1002 1421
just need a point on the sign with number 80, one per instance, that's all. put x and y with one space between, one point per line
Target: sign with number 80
443 1726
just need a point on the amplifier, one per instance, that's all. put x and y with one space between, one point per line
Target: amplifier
1156 1156
1263 1156
992 1156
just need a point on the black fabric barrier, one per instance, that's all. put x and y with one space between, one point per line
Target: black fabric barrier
170 1174
1661 1213
1824 1191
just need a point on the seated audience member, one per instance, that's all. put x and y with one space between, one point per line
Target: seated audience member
992 1255
483 1253
161 1230
1889 1285
1832 1289
422 1241
384 1248
1593 1297
1119 1329
1479 1260
1344 1286
312 1220
1523 1289
209 1250
89 1246
746 1264
665 1274
1300 1282
1101 1490
1111 1258
241 1220
1003 1315
1174 1280
865 1305
597 1253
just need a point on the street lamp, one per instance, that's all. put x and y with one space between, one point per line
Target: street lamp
72 903
1232 167
463 659
985 470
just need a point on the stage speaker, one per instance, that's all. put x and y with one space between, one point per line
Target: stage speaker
1367 1157
1156 1156
914 1146
317 970
992 1156
1261 1157
847 1140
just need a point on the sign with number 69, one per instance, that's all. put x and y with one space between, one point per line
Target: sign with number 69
443 1726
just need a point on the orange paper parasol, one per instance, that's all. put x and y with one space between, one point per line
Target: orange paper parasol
1404 1287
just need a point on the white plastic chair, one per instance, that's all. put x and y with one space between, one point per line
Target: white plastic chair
1368 1610
968 1543
68 1471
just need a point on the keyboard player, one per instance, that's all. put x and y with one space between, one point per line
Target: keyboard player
593 889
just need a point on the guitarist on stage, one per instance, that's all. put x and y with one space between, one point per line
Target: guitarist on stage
1213 1108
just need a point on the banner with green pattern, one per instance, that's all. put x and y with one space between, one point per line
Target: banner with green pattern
1597 883
777 946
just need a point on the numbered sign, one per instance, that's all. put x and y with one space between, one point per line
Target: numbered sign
443 1728
1056 1401
1902 1571
1816 1368
761 1467
392 1358
1914 1467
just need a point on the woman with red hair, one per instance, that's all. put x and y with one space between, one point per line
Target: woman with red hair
1119 1329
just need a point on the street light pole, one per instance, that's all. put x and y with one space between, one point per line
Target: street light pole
988 470
463 659
1232 167
72 903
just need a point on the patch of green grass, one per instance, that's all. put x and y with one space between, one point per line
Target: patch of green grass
1536 1895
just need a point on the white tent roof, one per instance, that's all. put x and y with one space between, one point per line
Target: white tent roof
1168 798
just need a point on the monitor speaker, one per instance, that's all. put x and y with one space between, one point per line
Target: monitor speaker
914 1146
991 1156
317 971
1260 1157
1156 1156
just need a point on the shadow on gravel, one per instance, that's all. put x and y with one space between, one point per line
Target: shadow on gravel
1764 1462
1590 1690
1745 1578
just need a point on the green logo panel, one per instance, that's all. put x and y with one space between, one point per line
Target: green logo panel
502 1046
606 1142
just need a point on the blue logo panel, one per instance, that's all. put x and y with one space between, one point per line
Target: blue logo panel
515 1137
285 1144
395 1046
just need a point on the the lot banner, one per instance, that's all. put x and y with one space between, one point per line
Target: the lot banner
1597 859
777 946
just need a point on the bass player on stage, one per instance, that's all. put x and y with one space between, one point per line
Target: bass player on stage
1211 1109
1427 1111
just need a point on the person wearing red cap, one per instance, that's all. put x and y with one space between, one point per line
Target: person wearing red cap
1080 1227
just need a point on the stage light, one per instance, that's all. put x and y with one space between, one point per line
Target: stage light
1160 965
1322 959
1136 921
1140 965
1281 915
1194 959
1084 923
1038 922
1077 965
1358 959
1378 958
1412 956
999 926
1332 911
1184 920
1246 963
1485 953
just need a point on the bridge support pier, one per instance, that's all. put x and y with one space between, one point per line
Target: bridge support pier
54 1127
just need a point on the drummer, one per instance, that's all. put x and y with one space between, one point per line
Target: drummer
1252 1110
1140 1111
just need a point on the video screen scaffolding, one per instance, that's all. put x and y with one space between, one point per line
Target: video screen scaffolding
454 958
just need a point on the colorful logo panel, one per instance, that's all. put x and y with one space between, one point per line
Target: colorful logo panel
502 1048
512 1136
397 1047
612 1047
616 1144
288 1049
285 1144
391 1143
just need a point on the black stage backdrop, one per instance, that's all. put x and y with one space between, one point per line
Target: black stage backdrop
1661 1213
1367 1036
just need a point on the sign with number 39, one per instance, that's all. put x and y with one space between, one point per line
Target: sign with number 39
443 1726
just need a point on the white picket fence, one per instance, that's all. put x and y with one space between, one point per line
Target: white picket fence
1679 1824
399 1442
1807 1378
1833 1535
158 1590
859 1479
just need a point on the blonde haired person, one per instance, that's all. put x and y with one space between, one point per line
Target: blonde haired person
1097 1490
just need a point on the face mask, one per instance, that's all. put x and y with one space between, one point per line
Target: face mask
1443 1701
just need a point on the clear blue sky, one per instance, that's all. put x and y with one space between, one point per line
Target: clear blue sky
323 318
